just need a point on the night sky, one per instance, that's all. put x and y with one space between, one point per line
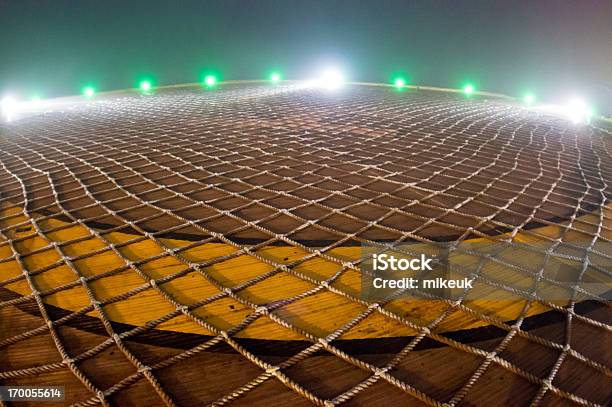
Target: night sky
556 49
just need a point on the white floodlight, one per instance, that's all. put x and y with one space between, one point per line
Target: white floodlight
578 111
9 106
331 78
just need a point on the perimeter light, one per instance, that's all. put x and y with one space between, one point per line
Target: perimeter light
529 99
578 111
35 100
331 79
145 86
210 80
9 106
275 77
469 89
89 91
399 83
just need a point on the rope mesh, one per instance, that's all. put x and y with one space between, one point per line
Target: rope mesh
250 168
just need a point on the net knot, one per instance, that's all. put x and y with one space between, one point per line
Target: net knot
273 370
101 396
144 369
381 371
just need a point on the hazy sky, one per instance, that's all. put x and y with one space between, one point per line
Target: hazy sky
554 48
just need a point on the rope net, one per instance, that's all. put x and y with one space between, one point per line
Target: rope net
233 219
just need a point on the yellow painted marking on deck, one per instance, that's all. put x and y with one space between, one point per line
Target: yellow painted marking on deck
319 314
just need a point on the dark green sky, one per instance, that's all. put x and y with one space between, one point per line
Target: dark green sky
550 47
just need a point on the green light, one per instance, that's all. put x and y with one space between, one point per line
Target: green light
35 98
210 80
469 89
89 91
145 86
399 83
529 99
275 77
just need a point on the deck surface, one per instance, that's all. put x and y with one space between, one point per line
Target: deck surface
190 247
